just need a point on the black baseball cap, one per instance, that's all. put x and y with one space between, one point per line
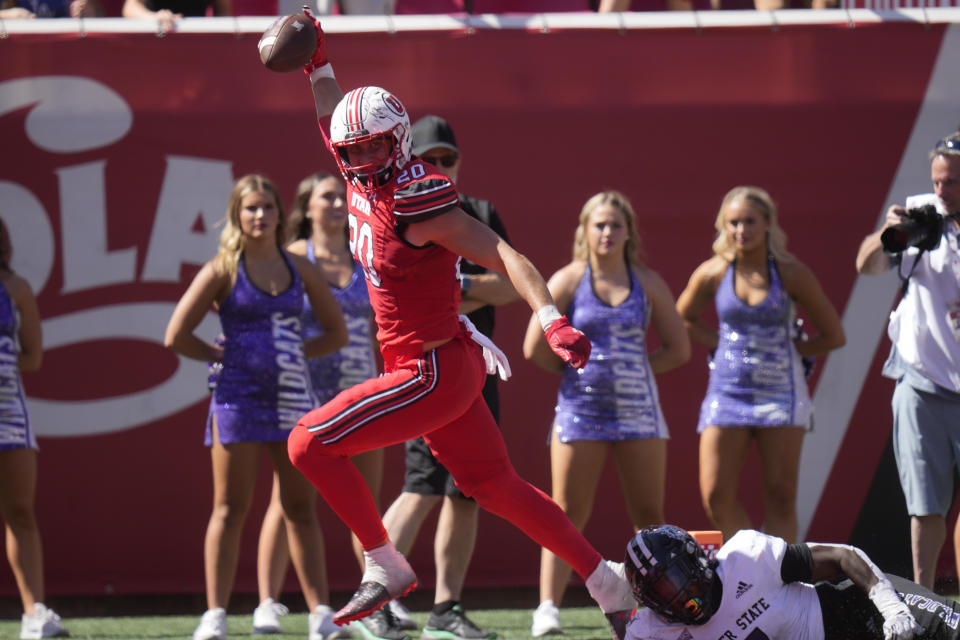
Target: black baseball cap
430 132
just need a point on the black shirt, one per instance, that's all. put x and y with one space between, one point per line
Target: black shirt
483 318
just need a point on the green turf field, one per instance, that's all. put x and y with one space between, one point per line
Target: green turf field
579 623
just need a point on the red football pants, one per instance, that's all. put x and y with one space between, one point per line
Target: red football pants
436 396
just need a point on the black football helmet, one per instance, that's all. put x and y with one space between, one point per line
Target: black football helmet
670 573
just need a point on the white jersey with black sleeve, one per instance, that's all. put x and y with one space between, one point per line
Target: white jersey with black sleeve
756 603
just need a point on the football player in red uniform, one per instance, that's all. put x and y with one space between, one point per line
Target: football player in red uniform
408 233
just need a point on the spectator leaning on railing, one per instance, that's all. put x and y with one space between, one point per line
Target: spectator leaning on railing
167 12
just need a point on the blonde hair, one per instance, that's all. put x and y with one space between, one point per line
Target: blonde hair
232 241
631 250
776 236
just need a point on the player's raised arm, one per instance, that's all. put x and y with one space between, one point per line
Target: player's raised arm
326 89
469 238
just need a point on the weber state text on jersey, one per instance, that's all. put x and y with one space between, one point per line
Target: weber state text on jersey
414 291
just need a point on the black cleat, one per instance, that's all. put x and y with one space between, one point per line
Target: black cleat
369 597
454 625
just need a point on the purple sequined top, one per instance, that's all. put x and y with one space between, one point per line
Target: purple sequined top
355 362
614 397
15 432
264 387
756 375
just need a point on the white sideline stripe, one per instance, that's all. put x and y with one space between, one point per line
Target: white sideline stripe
865 317
543 22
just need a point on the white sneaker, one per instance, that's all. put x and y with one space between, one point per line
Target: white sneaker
322 626
608 585
546 620
402 614
266 617
43 623
213 625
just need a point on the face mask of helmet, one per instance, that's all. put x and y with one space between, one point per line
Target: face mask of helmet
374 173
670 573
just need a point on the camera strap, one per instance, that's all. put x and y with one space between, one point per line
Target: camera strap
905 279
951 234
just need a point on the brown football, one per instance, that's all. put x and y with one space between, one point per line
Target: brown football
288 43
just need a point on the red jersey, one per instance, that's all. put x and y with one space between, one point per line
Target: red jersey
414 291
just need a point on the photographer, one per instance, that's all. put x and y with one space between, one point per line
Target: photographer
925 358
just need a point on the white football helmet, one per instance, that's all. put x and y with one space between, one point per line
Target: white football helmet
365 114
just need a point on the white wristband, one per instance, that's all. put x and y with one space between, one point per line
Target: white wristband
884 595
326 71
548 314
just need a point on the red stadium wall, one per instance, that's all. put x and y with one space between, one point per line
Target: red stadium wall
118 151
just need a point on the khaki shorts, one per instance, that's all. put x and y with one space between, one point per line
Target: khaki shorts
926 443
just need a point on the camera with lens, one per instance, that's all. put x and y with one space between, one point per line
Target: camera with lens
922 229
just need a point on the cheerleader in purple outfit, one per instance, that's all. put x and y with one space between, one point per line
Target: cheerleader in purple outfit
611 405
264 386
261 391
317 228
757 389
21 349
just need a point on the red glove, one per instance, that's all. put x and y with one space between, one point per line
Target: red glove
320 53
568 343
